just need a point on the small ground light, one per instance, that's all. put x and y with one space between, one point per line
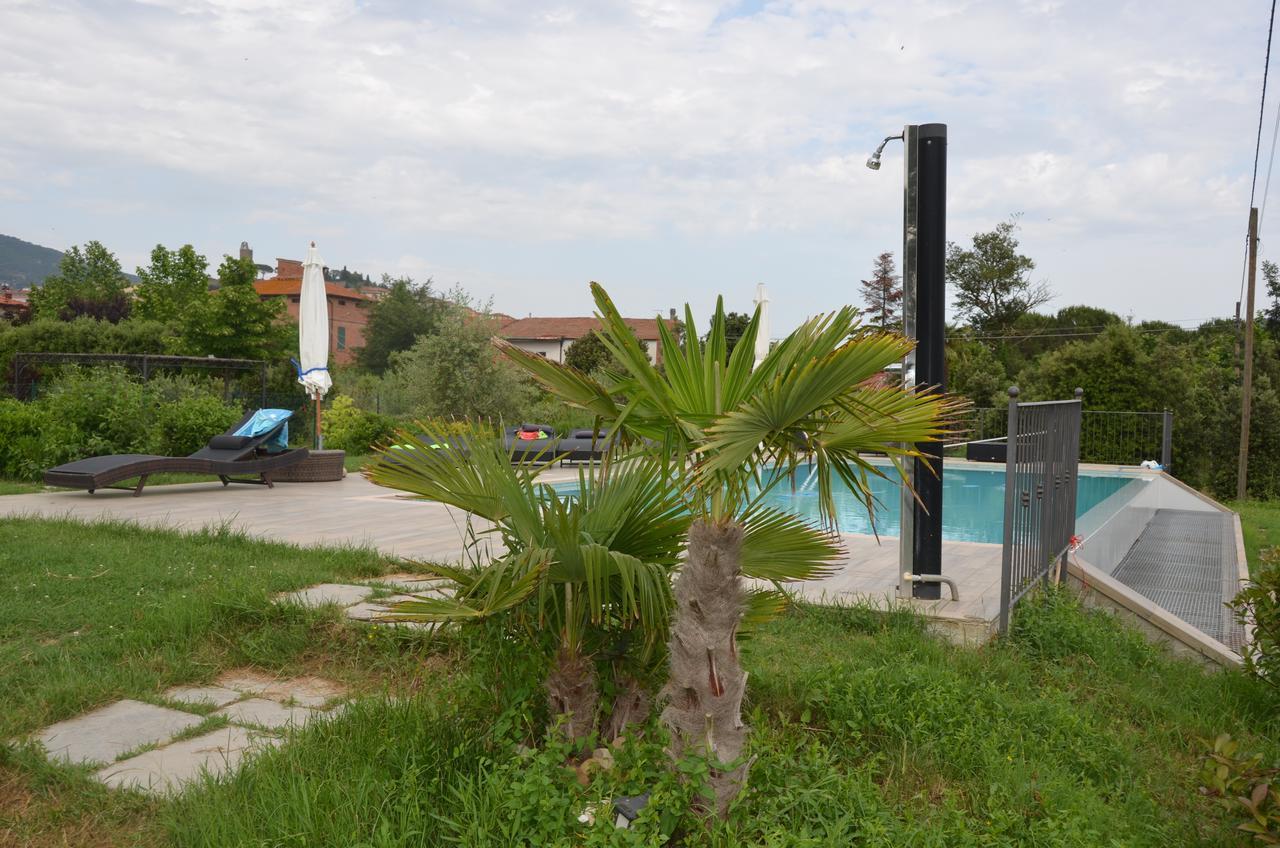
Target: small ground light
628 809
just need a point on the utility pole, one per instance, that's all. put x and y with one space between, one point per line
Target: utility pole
1246 394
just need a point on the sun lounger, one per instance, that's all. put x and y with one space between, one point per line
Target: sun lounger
532 442
227 456
582 446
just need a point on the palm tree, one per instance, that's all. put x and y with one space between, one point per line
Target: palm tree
727 434
592 567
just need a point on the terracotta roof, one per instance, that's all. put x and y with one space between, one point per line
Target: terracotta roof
286 287
573 328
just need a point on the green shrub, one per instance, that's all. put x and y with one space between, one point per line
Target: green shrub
1243 786
184 426
349 428
1258 604
91 412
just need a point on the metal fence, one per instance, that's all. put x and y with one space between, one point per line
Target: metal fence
1041 467
1107 437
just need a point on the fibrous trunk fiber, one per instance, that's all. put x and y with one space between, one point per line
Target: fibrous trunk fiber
706 683
630 706
573 692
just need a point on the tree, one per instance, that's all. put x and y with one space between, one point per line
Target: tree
587 354
590 353
728 433
589 572
175 281
883 294
974 372
991 282
1271 277
234 321
735 324
455 371
84 277
397 321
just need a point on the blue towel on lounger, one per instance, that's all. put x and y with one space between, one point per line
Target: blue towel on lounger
264 420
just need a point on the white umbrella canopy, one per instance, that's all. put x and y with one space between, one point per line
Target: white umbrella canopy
313 328
762 336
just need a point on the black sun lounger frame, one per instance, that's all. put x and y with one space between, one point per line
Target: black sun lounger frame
226 457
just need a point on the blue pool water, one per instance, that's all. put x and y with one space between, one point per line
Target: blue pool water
972 503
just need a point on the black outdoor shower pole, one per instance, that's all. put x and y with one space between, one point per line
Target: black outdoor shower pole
931 291
924 247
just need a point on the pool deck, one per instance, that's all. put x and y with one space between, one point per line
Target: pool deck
354 512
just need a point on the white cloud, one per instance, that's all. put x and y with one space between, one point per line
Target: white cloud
573 123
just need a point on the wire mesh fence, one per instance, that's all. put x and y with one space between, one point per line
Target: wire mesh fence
1107 437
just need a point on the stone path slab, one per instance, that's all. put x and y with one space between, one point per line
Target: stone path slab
268 714
208 696
303 691
417 584
104 734
370 610
167 770
341 594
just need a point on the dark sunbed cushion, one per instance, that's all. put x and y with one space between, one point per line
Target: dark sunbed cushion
587 434
225 442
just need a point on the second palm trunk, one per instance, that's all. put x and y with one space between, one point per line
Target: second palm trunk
706 683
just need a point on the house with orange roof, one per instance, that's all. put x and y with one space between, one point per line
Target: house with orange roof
348 308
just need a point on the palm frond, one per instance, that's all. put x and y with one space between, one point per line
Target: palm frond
781 547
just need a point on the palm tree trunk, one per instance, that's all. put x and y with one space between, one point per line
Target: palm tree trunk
704 690
630 706
573 691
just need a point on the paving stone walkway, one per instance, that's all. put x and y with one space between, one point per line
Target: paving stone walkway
367 600
136 745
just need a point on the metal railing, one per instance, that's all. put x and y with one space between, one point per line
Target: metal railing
1107 437
1041 467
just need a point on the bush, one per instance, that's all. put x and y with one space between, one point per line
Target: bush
104 411
349 428
1258 603
1243 787
184 426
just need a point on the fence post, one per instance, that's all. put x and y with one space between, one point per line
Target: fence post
1166 442
1010 494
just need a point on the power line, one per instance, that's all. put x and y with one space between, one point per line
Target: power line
1271 160
1262 107
1257 148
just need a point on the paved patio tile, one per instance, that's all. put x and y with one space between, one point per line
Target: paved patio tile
305 691
213 696
104 734
268 714
169 769
342 594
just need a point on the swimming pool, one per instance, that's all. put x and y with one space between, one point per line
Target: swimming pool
972 502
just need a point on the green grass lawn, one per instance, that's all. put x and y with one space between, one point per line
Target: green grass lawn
1260 521
867 730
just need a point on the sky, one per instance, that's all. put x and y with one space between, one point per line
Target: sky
673 151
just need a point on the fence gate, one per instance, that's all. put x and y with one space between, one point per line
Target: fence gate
1041 467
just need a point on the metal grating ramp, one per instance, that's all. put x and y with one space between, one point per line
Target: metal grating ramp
1185 562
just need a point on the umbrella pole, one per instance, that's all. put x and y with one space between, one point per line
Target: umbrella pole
319 438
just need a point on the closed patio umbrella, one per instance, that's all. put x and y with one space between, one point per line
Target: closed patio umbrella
762 337
313 334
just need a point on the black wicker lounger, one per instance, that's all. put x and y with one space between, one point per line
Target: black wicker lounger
226 456
524 450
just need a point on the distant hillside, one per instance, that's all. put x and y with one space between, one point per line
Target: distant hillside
23 264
